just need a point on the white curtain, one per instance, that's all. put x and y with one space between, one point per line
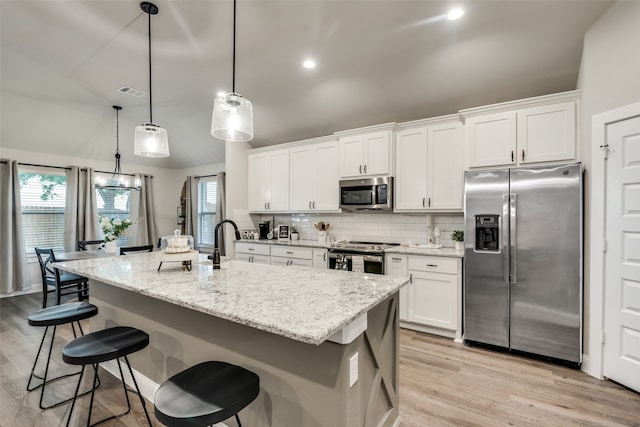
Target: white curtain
81 208
191 220
221 211
14 275
143 208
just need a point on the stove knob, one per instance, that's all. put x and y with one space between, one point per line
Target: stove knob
379 248
373 247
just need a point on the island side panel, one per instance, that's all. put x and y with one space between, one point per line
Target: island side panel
301 384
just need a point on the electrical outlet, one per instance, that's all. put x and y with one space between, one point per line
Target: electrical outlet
353 370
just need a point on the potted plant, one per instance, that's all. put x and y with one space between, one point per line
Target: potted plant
458 237
294 233
112 229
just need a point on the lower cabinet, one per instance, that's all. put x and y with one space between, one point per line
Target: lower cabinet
253 252
432 301
320 258
290 255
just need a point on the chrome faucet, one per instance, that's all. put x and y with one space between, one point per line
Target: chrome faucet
216 251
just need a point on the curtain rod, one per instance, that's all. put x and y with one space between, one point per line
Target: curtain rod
68 168
205 176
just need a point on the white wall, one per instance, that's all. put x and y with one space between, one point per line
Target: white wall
609 78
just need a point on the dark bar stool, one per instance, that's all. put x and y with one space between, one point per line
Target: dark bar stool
102 346
55 316
205 394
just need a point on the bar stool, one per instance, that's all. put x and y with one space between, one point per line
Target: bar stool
55 316
101 346
205 394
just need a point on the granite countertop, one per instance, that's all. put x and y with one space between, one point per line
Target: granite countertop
418 250
301 303
304 243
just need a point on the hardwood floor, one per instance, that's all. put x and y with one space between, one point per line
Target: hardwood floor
442 383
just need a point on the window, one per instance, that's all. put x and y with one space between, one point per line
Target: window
114 203
42 198
207 198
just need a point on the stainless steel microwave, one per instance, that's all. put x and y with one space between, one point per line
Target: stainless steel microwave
367 193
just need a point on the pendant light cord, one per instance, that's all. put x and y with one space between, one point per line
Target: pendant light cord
233 81
117 171
150 91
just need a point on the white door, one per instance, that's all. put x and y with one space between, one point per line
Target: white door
622 260
279 189
302 179
327 192
411 170
445 167
377 150
351 156
547 133
259 182
491 139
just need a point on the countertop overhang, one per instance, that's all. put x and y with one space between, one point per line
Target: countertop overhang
300 303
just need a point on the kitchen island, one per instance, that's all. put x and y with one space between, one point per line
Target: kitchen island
324 343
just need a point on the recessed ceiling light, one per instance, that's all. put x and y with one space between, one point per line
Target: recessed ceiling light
455 14
309 64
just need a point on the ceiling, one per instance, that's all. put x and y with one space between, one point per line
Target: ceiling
62 63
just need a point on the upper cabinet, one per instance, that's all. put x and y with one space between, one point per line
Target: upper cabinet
366 151
534 130
314 177
268 181
429 167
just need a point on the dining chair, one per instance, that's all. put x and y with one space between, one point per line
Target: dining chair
93 244
61 282
124 250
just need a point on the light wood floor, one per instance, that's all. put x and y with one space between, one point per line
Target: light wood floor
442 383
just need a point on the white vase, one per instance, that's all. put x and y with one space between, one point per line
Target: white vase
459 246
111 247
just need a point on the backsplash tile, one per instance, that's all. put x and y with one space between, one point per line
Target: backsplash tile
370 226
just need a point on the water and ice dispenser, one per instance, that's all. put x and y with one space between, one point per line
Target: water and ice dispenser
487 233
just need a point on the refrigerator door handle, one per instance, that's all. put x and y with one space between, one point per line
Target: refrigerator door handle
512 238
505 245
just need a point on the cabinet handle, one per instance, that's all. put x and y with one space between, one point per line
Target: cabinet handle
324 257
365 168
250 259
290 253
429 204
424 202
309 205
512 156
314 204
250 249
396 259
523 155
360 169
432 265
265 206
411 278
269 205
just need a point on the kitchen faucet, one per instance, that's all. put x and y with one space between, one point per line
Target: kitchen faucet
216 251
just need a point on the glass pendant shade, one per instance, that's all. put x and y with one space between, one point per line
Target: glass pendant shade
150 141
232 118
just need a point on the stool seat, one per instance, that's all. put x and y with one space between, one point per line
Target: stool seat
205 394
62 314
104 345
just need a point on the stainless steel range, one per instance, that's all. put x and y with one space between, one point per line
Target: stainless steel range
367 257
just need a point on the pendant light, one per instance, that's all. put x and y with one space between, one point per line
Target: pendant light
118 181
150 140
232 118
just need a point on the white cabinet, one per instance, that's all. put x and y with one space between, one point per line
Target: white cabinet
435 300
314 177
366 154
534 130
429 168
268 181
291 255
432 301
253 252
396 266
320 258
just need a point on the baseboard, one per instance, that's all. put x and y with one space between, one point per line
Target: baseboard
148 387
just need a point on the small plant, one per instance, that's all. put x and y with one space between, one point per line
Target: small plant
457 236
113 228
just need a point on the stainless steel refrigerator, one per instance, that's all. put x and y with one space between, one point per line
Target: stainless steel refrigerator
523 260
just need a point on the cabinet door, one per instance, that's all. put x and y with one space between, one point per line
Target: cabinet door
396 266
351 156
411 170
303 178
377 153
491 139
259 181
547 133
279 188
320 258
445 167
433 299
327 191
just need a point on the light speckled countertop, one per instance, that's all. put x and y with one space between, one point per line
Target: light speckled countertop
400 249
300 303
